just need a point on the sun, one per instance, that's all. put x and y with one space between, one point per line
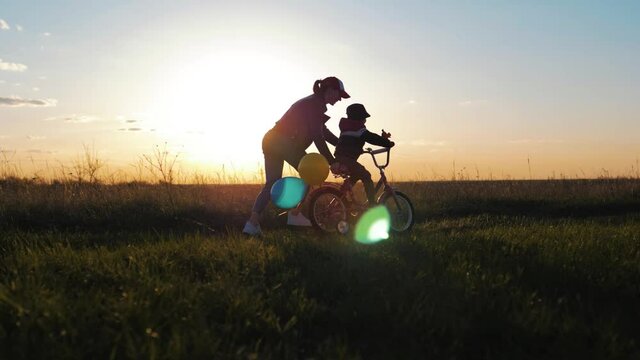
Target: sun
218 107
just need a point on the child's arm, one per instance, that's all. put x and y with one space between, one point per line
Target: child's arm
376 139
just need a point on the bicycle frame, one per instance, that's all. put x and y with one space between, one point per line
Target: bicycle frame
382 182
334 204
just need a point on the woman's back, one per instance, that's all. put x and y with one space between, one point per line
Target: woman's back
303 119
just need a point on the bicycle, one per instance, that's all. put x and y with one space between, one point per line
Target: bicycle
335 209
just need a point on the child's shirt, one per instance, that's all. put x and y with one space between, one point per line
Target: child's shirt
353 136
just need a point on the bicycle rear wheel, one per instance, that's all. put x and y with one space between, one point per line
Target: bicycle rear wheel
402 213
327 209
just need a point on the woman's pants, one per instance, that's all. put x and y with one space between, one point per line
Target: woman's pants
277 149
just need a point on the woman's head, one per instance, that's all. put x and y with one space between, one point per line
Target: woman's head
331 88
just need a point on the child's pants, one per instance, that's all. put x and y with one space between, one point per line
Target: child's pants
359 172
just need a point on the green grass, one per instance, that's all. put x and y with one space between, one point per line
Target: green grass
494 270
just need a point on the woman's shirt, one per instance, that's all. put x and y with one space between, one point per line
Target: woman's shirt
304 123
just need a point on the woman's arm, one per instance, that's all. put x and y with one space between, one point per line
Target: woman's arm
321 144
329 137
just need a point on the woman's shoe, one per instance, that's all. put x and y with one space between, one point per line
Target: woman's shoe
250 229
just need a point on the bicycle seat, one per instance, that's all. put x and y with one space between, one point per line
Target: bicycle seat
342 172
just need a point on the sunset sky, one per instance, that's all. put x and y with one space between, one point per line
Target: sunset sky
484 84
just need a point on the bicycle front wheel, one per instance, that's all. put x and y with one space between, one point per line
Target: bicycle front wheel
402 213
327 209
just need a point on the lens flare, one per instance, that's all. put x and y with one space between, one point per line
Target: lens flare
373 226
288 192
313 169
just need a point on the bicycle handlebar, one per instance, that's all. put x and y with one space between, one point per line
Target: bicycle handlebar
373 154
377 151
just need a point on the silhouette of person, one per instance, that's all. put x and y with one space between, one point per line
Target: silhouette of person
301 125
353 136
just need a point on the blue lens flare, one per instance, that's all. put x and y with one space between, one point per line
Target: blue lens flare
288 192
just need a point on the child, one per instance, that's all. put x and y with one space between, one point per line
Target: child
353 136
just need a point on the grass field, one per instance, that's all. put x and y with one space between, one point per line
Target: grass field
492 270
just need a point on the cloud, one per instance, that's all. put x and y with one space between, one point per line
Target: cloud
47 34
471 103
36 89
36 137
440 150
7 66
19 27
2 81
535 141
15 101
39 151
136 129
4 25
422 142
74 118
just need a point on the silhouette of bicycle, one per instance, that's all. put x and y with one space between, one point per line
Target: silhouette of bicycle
333 208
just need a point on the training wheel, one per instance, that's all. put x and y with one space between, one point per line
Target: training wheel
343 227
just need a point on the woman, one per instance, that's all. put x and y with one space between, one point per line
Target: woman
301 125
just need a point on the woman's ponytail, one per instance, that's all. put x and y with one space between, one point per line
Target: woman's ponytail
317 87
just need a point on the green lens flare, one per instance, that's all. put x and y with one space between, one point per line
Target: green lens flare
288 192
373 226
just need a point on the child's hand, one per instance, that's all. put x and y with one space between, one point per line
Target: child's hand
385 134
338 168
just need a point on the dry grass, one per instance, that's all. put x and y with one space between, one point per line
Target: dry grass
505 269
98 267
